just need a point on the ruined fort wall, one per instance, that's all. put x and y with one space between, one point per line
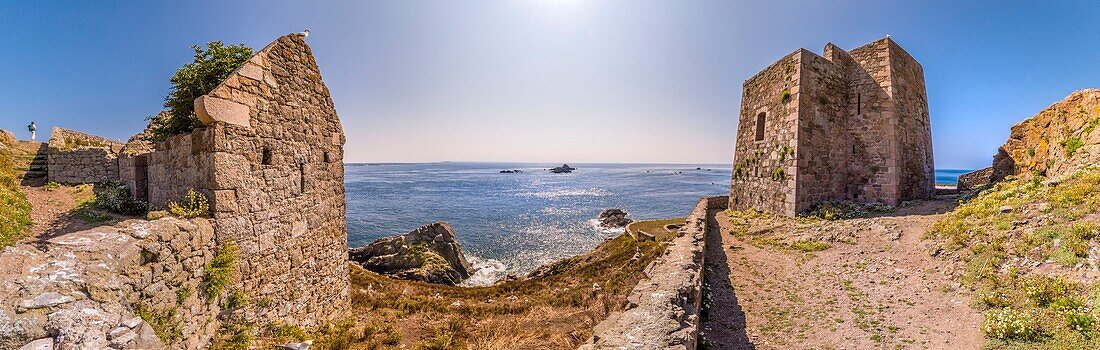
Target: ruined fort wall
663 310
823 140
74 158
915 169
84 289
278 190
762 175
180 163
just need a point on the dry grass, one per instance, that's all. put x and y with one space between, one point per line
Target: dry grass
556 310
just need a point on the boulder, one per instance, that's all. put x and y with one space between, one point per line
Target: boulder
564 168
614 218
1054 143
429 253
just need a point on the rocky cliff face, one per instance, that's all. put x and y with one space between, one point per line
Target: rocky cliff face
1059 140
429 253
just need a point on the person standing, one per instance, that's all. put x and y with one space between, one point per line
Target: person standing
32 128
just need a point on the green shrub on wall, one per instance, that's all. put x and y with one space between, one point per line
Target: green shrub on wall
211 66
193 205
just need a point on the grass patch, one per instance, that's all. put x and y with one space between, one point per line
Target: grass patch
164 322
654 227
15 211
1028 311
840 210
219 271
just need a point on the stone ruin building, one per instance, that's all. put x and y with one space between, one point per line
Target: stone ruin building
76 157
269 157
849 126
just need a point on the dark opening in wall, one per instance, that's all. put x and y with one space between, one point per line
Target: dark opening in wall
266 158
301 177
859 104
760 118
327 159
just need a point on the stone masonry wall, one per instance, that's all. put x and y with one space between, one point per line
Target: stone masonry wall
823 138
75 158
762 173
82 289
915 167
663 311
271 160
857 130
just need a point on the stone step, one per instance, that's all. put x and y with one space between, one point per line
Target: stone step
34 174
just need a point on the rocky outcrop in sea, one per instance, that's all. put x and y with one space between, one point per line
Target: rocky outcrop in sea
613 218
429 253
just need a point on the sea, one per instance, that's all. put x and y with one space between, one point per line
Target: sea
515 222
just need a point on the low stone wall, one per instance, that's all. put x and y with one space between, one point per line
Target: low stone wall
663 311
180 163
84 289
75 158
974 179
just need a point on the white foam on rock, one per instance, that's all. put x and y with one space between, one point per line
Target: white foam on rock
486 271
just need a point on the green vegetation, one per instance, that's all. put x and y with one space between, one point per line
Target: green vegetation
840 210
72 143
164 322
193 205
1092 125
15 211
339 335
1034 310
219 271
1072 144
785 96
236 299
233 336
115 197
210 67
1031 151
743 220
51 186
778 174
655 227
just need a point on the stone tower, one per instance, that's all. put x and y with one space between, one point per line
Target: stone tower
852 125
270 158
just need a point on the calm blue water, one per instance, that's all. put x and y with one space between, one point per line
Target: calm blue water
949 176
517 222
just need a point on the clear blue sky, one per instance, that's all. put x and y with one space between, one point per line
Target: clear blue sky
546 80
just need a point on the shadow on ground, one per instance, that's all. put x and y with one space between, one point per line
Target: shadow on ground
723 320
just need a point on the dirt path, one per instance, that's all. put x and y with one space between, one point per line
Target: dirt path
878 290
52 210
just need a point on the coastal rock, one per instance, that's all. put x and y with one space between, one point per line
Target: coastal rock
1054 143
613 218
564 168
429 253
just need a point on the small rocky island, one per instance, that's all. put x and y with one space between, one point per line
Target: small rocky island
563 169
429 253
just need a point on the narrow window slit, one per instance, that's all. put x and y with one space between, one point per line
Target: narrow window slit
266 157
760 119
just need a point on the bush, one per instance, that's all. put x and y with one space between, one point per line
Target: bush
1072 144
210 67
193 205
115 197
1007 323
